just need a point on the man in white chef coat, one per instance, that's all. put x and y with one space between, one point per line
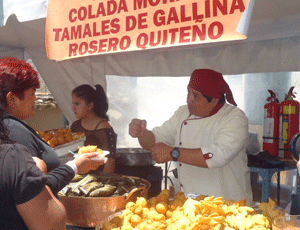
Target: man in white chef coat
207 137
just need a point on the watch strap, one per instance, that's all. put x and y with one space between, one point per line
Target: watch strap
175 158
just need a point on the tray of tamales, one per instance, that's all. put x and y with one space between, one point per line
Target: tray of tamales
90 198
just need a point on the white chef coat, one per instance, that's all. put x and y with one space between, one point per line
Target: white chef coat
224 136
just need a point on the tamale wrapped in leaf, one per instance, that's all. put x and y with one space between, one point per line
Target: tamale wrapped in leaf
88 188
129 181
107 190
87 179
77 178
64 191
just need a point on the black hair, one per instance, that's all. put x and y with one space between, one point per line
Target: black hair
209 99
98 96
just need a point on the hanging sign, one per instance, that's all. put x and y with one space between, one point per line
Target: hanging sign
77 28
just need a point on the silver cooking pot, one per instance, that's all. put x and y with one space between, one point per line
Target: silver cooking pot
134 157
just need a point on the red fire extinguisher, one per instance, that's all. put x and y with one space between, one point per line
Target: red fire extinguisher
271 125
289 123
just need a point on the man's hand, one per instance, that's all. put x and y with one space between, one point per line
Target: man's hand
40 164
161 153
298 165
85 164
137 127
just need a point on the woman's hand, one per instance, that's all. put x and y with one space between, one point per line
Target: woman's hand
85 164
40 164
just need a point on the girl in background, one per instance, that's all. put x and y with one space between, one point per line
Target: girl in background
90 107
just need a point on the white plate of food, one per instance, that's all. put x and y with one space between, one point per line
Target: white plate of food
102 154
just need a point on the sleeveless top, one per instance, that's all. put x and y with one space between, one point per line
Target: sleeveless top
105 139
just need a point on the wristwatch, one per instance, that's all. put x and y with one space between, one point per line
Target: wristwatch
175 153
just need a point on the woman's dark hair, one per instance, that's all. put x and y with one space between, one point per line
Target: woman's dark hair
98 96
16 76
3 129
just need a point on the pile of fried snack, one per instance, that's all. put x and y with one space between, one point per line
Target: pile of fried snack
204 212
269 210
59 137
89 149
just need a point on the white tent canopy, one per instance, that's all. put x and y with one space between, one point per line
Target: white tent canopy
273 45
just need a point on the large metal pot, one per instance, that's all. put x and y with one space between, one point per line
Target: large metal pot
90 211
134 157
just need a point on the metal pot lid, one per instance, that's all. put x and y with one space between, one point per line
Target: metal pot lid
134 157
295 146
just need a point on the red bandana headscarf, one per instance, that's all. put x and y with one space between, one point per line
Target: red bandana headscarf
212 84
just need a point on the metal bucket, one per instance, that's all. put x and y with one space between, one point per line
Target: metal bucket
90 211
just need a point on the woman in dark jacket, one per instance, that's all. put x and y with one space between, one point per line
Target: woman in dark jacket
18 83
26 200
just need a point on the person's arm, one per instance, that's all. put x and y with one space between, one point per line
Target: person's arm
32 198
298 165
59 177
230 137
147 139
107 140
40 164
161 153
43 212
137 128
192 157
109 166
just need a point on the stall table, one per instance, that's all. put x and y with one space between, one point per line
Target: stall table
266 175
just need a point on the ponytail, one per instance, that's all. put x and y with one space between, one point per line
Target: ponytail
101 104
